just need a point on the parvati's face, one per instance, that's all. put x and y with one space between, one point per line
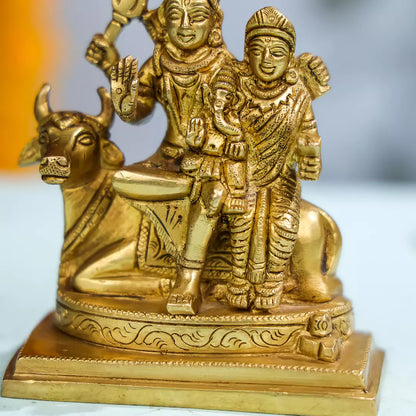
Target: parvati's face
269 57
189 22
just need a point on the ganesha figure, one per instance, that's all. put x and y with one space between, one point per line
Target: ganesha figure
199 275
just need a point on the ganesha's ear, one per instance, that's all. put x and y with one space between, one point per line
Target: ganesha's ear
239 102
30 154
111 156
207 96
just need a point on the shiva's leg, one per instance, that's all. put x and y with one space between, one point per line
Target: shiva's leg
185 297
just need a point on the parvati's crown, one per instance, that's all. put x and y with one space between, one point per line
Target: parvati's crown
270 22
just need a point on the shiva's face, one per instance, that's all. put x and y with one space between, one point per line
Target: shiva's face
269 57
189 22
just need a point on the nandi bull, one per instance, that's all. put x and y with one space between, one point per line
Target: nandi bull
99 253
102 230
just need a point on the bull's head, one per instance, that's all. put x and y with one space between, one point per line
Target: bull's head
71 147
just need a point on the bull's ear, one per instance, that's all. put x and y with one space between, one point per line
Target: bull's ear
111 156
30 154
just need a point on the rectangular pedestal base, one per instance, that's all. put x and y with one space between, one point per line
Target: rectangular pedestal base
55 366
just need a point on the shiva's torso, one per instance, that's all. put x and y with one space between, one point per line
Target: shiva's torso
179 87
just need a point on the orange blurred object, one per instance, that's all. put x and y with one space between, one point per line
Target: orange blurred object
27 45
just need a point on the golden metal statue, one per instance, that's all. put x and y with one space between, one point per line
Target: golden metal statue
199 275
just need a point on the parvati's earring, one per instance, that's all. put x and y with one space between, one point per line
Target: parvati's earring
291 76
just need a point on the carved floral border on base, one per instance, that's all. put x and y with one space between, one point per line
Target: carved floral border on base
171 337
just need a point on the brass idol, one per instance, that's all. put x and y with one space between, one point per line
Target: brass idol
198 277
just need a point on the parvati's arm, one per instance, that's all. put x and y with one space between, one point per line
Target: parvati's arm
309 148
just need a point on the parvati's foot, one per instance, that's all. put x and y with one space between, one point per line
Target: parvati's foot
185 297
268 295
235 206
239 293
238 301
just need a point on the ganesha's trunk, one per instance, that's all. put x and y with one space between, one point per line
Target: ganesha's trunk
223 126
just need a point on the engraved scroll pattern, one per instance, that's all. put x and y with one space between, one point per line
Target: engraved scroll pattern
167 338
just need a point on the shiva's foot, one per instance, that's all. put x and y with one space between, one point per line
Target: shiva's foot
185 297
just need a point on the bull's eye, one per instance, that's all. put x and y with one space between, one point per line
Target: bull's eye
43 139
85 139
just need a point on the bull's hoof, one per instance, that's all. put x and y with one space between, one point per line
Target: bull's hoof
324 349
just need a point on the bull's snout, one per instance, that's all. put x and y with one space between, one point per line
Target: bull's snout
54 169
59 160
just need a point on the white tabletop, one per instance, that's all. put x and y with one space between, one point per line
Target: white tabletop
378 269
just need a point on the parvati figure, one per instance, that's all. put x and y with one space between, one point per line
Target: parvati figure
283 147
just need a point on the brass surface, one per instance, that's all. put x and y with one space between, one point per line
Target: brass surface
200 274
55 366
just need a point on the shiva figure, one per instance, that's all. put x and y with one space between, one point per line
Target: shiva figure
283 148
189 52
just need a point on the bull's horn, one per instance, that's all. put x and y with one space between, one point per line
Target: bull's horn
107 112
42 108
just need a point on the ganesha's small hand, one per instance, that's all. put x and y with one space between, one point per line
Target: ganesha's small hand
196 132
237 150
309 168
124 85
